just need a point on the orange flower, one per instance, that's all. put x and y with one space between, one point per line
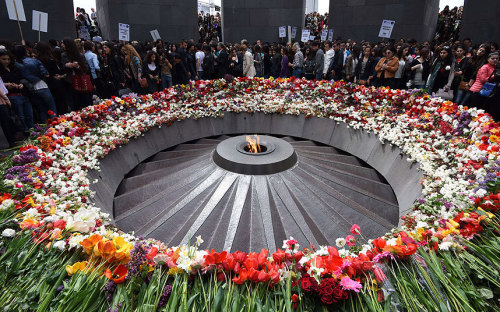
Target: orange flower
89 243
29 224
104 249
119 274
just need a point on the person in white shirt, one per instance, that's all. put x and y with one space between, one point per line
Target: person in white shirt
200 55
329 53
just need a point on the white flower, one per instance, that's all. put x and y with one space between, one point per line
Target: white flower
340 242
6 204
447 67
199 241
445 245
61 245
8 233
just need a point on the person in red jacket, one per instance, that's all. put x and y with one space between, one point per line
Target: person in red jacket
484 75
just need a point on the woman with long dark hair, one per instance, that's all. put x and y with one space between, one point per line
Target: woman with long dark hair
474 63
112 69
57 74
75 64
485 74
20 103
151 71
420 68
365 69
442 71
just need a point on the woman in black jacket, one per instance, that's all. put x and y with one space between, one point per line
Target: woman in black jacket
365 69
74 63
420 69
112 69
151 70
276 62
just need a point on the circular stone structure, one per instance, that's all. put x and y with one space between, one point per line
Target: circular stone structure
276 155
315 194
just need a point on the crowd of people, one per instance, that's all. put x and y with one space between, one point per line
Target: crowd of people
84 21
209 27
316 22
53 78
449 24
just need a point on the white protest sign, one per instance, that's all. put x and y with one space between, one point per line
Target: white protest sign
311 38
155 34
305 35
282 31
324 33
40 21
16 10
330 34
386 29
84 33
123 32
294 32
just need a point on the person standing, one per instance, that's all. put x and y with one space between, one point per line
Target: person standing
276 62
285 72
337 63
365 69
33 71
386 68
151 71
248 62
484 75
319 60
133 66
258 60
199 56
112 68
419 69
166 70
5 122
222 61
208 64
329 53
11 77
442 71
298 61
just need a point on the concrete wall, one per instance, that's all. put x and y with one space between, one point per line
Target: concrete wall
361 19
61 22
389 161
259 19
175 20
480 21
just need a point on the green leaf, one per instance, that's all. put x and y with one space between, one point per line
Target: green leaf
486 293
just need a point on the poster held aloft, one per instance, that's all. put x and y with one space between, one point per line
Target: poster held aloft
155 34
282 31
324 34
123 32
40 22
330 34
386 29
294 32
15 9
305 35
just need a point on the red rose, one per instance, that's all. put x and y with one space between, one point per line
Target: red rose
327 299
338 293
308 284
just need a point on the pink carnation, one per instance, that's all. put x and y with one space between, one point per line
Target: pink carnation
348 284
350 240
355 229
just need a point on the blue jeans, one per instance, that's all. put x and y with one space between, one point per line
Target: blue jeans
22 107
462 97
45 103
297 72
166 81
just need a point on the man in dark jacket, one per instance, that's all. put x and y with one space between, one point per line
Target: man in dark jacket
319 60
222 61
179 71
337 63
208 64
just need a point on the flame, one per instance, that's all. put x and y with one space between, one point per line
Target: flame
253 144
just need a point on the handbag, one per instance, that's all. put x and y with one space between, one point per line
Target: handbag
144 83
82 83
488 89
445 95
464 85
362 82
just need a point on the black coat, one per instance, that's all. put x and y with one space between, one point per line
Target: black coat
180 74
276 66
208 67
337 64
369 69
222 66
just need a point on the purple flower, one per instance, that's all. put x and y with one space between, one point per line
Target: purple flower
165 296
